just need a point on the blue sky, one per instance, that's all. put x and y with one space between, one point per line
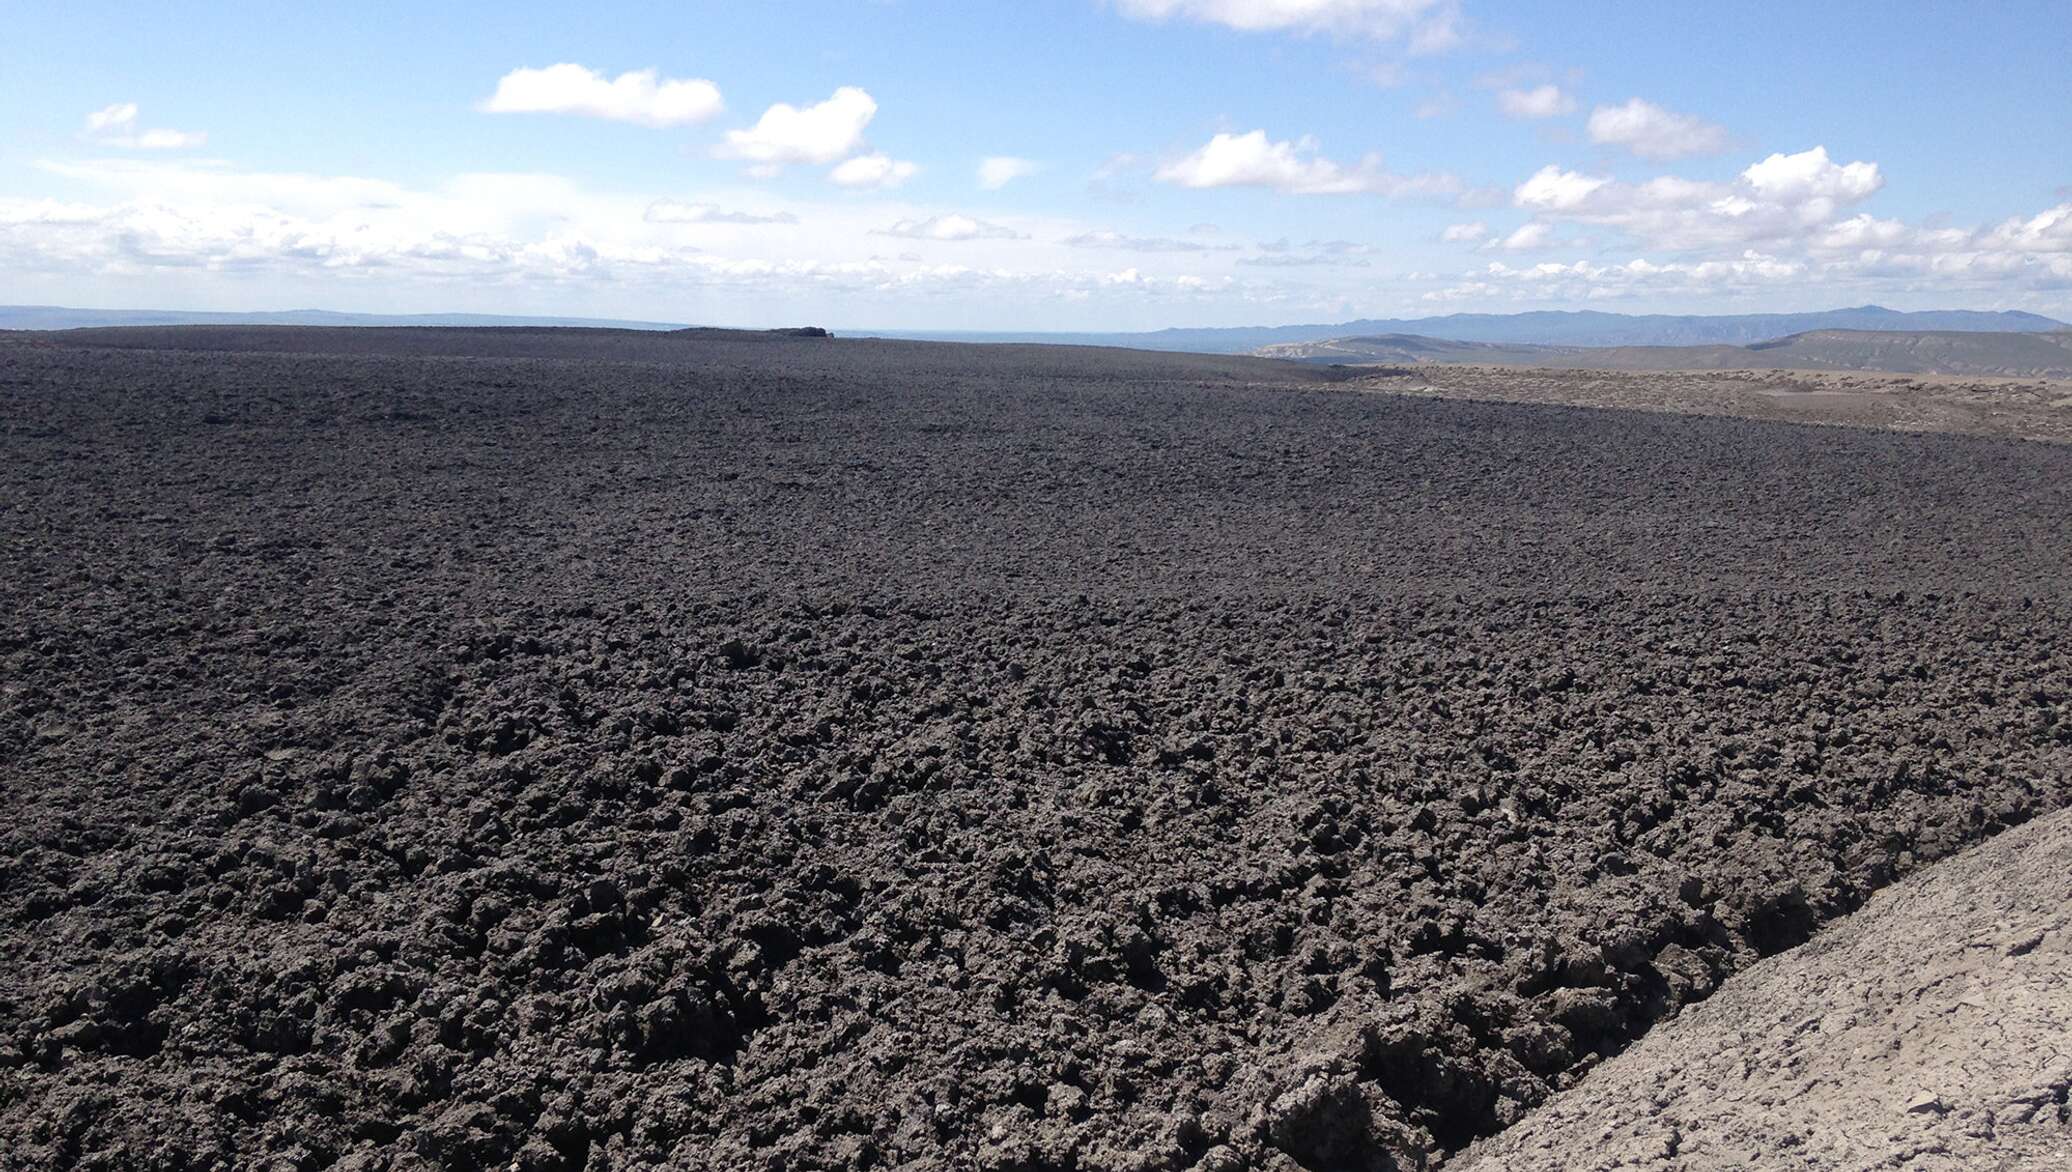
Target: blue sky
1157 162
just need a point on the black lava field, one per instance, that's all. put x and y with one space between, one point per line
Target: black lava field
583 750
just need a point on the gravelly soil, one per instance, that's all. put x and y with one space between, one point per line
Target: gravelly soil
769 753
2011 408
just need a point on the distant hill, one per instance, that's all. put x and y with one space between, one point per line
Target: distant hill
58 317
1557 329
1412 349
1541 328
1955 352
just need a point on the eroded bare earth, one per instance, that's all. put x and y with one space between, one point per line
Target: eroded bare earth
2025 408
580 751
1925 1032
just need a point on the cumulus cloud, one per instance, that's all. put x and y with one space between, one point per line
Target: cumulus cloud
1652 132
1525 238
476 241
876 171
1782 198
1812 175
997 171
1253 160
1554 189
1542 101
676 211
1862 231
138 219
1432 21
2049 231
1464 233
116 126
1118 240
1782 220
951 227
816 134
641 96
1587 281
482 229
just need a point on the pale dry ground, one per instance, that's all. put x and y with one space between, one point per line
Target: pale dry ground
2024 408
1930 1031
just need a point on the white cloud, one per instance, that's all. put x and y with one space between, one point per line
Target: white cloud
1437 33
1812 175
116 126
2049 231
1526 238
997 171
1280 254
1117 240
1652 132
640 96
952 226
1341 248
1542 101
1296 260
1430 19
119 118
49 213
1557 190
1780 221
880 171
519 241
213 183
1464 233
1783 198
168 140
1582 280
1253 160
546 243
1862 231
820 133
484 229
676 211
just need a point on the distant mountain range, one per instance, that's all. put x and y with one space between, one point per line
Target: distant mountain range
1542 328
1546 328
1952 352
58 317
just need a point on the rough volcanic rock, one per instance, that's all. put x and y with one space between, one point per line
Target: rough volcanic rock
491 748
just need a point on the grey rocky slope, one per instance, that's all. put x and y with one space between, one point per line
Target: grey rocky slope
1928 1031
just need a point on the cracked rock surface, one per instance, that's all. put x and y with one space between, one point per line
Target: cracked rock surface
579 750
1930 1030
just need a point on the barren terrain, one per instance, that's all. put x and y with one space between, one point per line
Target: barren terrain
584 750
1925 1032
2014 408
1964 354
